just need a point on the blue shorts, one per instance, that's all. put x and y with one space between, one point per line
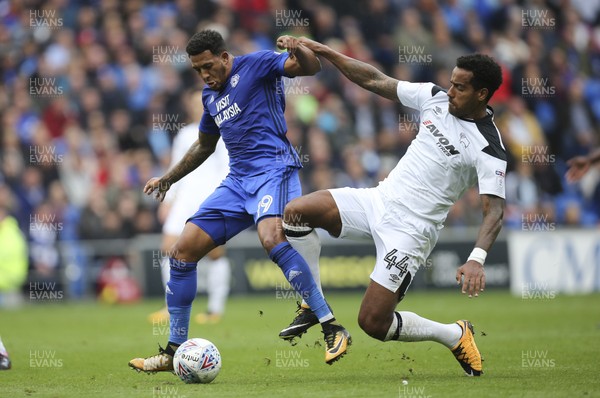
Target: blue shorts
239 203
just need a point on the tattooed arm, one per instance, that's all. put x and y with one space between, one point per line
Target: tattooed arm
195 156
361 73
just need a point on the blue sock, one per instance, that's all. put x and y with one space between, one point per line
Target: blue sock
297 272
180 292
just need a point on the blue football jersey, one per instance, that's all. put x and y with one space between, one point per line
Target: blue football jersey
249 115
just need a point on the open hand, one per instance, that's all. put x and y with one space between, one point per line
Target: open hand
473 277
158 187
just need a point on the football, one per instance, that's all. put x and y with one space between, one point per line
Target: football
197 361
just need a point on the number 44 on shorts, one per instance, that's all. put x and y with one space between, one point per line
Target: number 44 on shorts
391 260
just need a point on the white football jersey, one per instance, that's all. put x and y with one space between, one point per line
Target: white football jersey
191 190
448 156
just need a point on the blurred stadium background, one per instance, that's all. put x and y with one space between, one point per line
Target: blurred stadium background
93 92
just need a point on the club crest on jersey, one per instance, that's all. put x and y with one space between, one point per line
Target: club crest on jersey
234 80
464 140
443 143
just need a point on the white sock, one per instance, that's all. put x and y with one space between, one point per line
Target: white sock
219 275
391 334
309 247
165 270
165 273
416 328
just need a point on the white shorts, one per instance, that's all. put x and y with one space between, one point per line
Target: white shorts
179 212
402 240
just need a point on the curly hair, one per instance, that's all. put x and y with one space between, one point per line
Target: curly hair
486 72
207 39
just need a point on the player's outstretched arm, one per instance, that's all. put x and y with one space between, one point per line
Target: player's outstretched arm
361 73
194 157
580 165
302 61
472 272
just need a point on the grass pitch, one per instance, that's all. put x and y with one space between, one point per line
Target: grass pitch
532 348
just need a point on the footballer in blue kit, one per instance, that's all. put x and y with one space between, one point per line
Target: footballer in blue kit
244 105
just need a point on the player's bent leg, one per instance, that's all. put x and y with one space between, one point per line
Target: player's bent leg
376 313
378 318
191 246
301 216
315 210
298 273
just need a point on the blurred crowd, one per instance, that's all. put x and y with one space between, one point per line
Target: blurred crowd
93 92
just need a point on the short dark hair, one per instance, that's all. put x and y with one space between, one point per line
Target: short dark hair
207 39
486 72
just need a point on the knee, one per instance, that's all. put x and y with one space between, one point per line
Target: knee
184 252
271 239
373 325
292 215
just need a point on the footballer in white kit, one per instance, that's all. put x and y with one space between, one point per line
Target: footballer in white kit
405 212
458 146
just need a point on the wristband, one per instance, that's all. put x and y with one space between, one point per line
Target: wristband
478 255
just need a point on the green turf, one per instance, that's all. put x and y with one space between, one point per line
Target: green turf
532 348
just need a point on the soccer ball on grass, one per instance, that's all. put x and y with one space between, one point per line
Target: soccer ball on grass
197 361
